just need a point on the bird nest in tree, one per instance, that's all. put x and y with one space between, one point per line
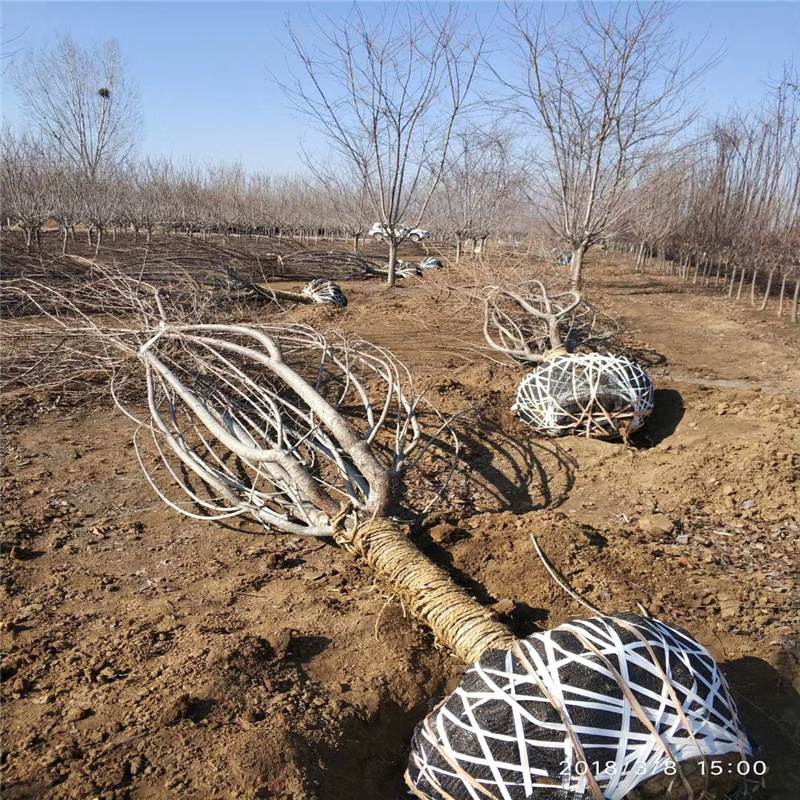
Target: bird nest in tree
590 394
590 709
325 292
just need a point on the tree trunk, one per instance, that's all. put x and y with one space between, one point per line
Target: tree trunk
783 289
72 232
795 299
356 239
28 239
696 268
89 235
99 239
64 241
577 269
639 258
733 280
458 249
753 288
457 620
764 302
390 280
741 284
148 236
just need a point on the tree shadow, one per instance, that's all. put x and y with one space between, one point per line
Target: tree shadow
664 420
515 474
769 708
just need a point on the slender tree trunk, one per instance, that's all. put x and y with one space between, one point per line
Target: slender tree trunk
640 258
72 232
795 299
764 302
148 236
113 233
89 234
64 241
458 249
99 239
390 280
356 239
577 268
753 287
741 284
733 280
784 278
696 268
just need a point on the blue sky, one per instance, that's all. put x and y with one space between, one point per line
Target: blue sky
202 67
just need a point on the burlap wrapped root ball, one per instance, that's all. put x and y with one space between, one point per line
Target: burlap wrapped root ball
614 701
590 394
325 292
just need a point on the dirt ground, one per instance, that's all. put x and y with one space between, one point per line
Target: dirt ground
152 656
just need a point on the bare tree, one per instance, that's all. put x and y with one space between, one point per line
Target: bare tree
386 95
68 207
604 88
477 187
26 184
82 100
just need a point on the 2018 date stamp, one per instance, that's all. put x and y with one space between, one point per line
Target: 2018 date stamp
709 766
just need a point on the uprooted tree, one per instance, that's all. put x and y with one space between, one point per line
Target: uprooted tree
312 435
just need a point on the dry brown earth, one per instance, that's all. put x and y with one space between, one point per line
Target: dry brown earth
152 656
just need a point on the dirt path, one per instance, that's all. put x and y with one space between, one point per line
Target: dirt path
710 340
149 656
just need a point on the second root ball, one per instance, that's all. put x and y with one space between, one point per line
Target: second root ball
590 394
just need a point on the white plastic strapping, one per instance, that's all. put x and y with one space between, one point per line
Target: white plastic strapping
407 269
430 263
533 718
323 291
593 394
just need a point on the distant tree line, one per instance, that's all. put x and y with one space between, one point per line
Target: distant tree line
588 139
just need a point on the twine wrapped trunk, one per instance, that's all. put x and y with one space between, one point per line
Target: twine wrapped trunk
591 709
589 394
456 619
